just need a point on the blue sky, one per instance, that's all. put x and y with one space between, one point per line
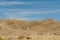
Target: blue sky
30 9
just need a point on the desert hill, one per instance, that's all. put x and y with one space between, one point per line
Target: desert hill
19 27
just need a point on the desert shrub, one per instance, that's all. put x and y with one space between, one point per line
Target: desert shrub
10 23
20 37
54 33
28 37
1 38
0 27
40 34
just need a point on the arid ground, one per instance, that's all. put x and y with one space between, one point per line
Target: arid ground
48 29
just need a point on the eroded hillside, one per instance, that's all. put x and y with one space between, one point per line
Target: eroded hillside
18 27
35 29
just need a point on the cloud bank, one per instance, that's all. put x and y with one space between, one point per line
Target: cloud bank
3 3
26 14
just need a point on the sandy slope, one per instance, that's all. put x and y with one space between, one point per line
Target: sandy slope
30 30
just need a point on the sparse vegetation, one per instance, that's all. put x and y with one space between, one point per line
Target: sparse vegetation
1 38
21 37
19 27
28 38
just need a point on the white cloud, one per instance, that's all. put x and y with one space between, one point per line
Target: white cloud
11 3
17 11
14 2
20 18
21 14
27 12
